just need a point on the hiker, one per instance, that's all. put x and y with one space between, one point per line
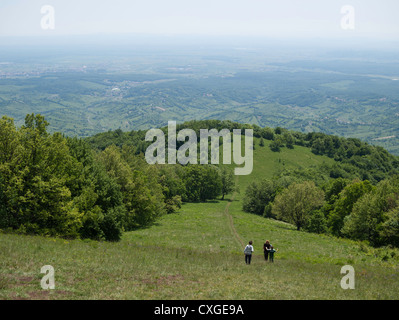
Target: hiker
271 253
248 252
266 248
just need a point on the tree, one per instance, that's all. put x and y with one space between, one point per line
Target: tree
170 178
334 188
289 140
318 146
228 181
202 182
317 222
343 206
258 195
267 133
142 199
35 175
57 186
390 228
9 149
366 222
9 139
276 144
296 203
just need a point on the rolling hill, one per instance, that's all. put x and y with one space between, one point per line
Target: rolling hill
197 253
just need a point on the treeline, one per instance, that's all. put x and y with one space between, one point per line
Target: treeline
60 186
100 186
355 197
353 209
353 157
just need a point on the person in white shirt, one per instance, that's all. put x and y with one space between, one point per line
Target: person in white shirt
248 252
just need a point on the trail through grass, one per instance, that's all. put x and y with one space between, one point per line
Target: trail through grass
197 253
231 223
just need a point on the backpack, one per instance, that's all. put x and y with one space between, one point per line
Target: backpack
248 249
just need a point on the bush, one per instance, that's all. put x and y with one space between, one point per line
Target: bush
91 225
111 224
202 182
268 213
258 195
173 204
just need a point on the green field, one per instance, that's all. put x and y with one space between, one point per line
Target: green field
197 253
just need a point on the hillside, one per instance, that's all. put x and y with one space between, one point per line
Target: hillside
196 253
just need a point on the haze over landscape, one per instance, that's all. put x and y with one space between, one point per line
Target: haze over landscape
81 82
287 18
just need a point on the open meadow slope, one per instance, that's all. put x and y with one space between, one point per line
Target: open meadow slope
197 253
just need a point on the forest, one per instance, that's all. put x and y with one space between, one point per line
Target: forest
99 187
60 186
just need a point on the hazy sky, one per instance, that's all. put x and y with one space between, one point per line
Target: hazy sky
278 18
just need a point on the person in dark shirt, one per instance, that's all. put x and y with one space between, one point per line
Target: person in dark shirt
266 248
271 252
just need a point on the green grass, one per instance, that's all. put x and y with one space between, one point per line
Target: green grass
267 163
193 255
197 253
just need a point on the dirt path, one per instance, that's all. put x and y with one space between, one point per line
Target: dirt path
231 223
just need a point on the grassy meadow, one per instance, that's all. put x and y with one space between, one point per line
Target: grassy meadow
197 253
